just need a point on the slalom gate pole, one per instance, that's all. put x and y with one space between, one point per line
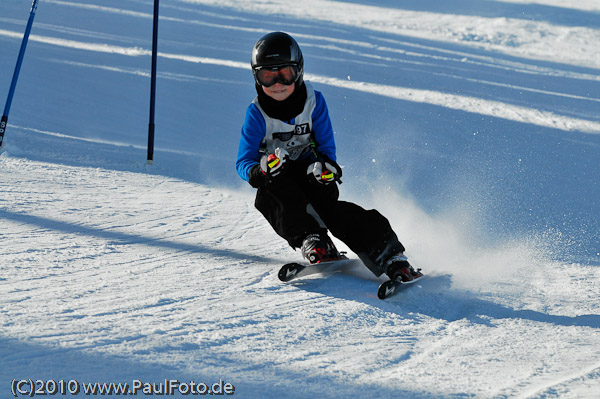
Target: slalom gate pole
13 84
150 157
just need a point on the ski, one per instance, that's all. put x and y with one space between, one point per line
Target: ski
391 287
293 270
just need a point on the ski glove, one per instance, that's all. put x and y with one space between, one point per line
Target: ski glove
256 177
274 165
324 172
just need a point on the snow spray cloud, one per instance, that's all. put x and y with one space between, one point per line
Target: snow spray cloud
448 244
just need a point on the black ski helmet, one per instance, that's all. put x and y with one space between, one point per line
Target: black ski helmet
277 48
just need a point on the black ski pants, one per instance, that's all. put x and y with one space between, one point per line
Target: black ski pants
286 203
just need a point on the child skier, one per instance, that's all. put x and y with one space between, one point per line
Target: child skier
287 151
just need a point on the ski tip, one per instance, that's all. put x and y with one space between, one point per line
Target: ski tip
289 271
390 287
387 289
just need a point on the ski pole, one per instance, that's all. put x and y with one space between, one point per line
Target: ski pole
13 84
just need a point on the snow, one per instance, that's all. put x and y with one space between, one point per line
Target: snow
472 125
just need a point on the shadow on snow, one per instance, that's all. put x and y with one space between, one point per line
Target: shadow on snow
434 297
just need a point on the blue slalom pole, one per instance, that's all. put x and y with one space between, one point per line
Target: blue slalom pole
150 157
13 84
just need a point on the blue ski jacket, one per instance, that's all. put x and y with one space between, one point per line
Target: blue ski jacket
262 134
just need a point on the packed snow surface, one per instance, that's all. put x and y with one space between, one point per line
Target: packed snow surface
473 125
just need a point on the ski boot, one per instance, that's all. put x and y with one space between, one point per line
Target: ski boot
398 269
318 247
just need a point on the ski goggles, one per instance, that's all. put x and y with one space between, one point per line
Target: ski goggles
269 75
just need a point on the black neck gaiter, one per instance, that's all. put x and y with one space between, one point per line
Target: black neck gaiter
287 109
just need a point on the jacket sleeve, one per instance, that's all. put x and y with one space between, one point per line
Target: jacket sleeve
323 128
253 132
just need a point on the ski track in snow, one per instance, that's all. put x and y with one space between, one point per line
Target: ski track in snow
112 270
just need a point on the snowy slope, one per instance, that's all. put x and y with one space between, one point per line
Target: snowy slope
473 125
